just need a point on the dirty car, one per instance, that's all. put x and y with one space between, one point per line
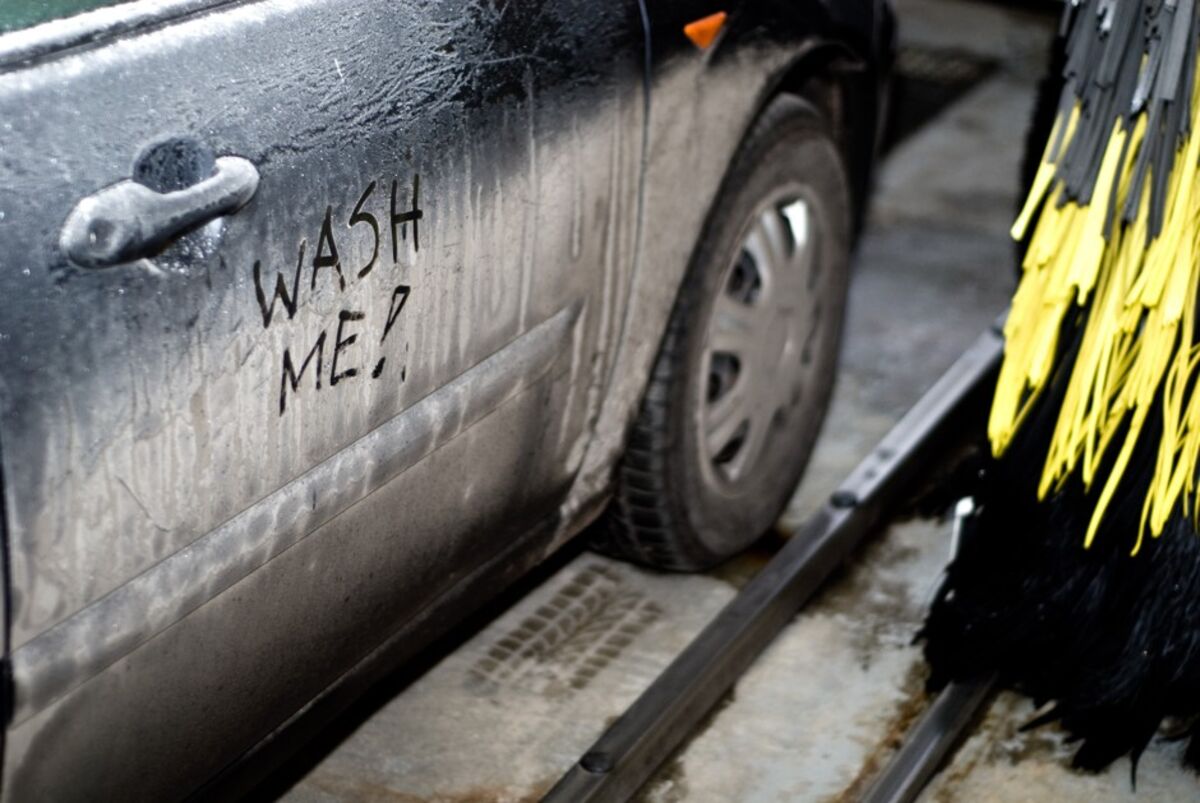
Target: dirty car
321 322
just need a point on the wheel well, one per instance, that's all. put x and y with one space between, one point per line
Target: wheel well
814 80
846 91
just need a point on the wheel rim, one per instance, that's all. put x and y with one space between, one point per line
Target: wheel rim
763 335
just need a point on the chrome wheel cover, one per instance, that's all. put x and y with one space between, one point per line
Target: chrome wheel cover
763 334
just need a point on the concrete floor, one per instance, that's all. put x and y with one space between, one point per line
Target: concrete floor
503 716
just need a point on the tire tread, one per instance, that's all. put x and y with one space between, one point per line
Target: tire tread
644 522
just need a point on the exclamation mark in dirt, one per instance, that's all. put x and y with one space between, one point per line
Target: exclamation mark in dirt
399 299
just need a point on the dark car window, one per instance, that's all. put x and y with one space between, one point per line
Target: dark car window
16 14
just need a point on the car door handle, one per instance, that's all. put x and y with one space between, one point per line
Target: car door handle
128 220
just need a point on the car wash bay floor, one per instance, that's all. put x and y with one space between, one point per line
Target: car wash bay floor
496 720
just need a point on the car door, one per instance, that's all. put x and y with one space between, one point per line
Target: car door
303 310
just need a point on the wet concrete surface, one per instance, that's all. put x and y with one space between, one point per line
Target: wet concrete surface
504 715
1001 764
832 694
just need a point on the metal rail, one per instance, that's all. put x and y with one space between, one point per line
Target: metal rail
667 712
945 722
928 742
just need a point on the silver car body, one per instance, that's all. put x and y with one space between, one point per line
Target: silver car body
299 441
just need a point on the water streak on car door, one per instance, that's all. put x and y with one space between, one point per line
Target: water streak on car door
235 462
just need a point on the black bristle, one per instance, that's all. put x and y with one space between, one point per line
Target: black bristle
1090 629
1110 639
1113 640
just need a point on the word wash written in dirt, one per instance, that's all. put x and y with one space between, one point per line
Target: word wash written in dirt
338 348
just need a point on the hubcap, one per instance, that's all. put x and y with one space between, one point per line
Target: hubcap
762 335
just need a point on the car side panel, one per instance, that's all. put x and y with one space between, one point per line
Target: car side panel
156 460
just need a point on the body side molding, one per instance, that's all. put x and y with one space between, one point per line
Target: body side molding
84 644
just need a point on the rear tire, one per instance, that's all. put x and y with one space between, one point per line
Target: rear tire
754 335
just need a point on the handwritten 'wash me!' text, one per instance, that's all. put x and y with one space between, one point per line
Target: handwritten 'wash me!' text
323 264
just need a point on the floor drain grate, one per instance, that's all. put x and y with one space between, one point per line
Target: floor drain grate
586 624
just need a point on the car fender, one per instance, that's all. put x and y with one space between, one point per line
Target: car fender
701 103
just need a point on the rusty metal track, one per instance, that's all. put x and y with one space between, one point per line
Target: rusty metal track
663 717
929 742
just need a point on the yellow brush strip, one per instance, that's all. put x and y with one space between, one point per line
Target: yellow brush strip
1138 344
